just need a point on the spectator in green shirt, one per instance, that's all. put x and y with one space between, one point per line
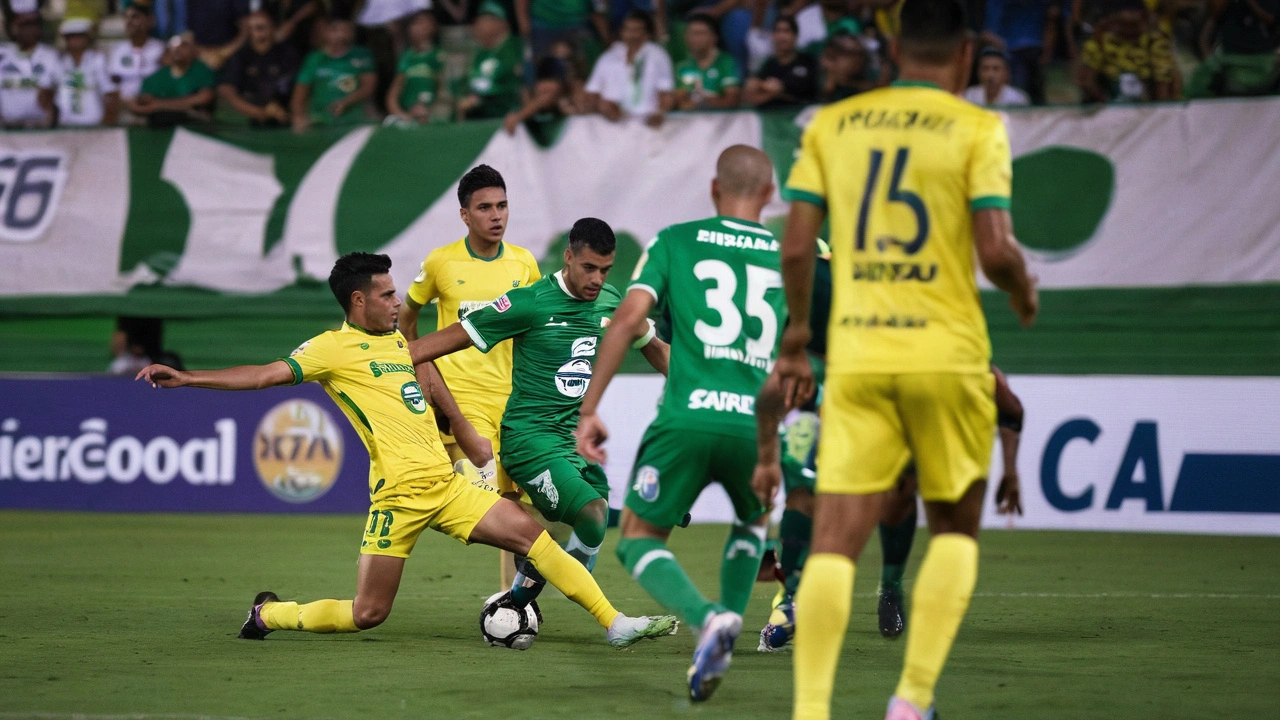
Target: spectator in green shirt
497 72
709 78
180 92
335 81
420 73
543 23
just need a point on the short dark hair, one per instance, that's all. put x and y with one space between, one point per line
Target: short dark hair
789 21
932 30
478 178
355 271
643 17
705 19
594 234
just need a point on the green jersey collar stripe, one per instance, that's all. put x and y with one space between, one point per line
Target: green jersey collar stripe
915 83
746 225
645 288
296 368
794 195
355 409
990 202
475 335
501 247
354 326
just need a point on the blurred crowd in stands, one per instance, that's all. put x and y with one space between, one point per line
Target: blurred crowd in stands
299 63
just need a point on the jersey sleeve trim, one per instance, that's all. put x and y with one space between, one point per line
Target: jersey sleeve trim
296 368
481 344
990 202
794 195
646 288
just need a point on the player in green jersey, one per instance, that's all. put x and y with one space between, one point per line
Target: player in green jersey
709 78
719 277
556 324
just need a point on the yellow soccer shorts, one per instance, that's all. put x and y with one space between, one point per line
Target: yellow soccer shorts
873 424
452 506
486 418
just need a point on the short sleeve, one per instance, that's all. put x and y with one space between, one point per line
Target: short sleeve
652 269
423 289
105 79
362 60
596 82
405 61
730 75
664 78
313 359
806 182
52 78
990 167
504 318
307 75
1091 56
153 83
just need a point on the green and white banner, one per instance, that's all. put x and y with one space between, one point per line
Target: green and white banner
1159 217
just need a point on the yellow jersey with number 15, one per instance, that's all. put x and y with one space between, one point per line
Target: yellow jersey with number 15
370 377
461 282
900 171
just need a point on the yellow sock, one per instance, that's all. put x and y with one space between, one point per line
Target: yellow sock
571 578
822 615
938 604
321 616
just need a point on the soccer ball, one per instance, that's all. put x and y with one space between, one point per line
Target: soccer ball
503 625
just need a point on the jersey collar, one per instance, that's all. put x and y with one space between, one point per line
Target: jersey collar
731 221
915 83
559 276
356 327
466 241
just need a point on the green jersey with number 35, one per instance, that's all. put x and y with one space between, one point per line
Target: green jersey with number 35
720 279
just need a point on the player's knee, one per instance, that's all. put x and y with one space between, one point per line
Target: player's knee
592 521
370 614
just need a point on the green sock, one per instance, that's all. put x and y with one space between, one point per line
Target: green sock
655 568
794 534
895 544
740 565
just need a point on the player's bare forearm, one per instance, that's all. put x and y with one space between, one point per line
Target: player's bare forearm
1002 261
658 353
243 377
408 323
770 410
799 254
629 323
440 343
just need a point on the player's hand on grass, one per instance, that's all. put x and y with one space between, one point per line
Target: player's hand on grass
765 481
1009 495
591 434
162 376
1026 304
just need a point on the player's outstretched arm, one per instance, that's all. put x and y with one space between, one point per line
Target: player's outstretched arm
630 323
243 377
440 343
799 254
1009 416
1002 262
770 409
478 449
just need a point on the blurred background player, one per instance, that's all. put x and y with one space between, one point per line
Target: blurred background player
411 484
726 268
908 376
463 277
555 325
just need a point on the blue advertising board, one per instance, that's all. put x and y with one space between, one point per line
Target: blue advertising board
112 444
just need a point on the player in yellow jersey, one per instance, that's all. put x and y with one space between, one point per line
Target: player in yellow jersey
366 368
460 278
917 183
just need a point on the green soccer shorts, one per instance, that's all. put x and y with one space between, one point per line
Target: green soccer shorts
673 466
559 484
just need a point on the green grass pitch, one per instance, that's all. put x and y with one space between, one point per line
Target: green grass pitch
135 616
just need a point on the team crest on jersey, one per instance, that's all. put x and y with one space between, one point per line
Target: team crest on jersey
411 393
573 377
646 484
502 304
584 347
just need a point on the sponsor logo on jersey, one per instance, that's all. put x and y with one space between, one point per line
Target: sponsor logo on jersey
573 378
379 369
297 451
547 488
747 242
722 401
502 304
646 484
411 393
894 272
584 347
